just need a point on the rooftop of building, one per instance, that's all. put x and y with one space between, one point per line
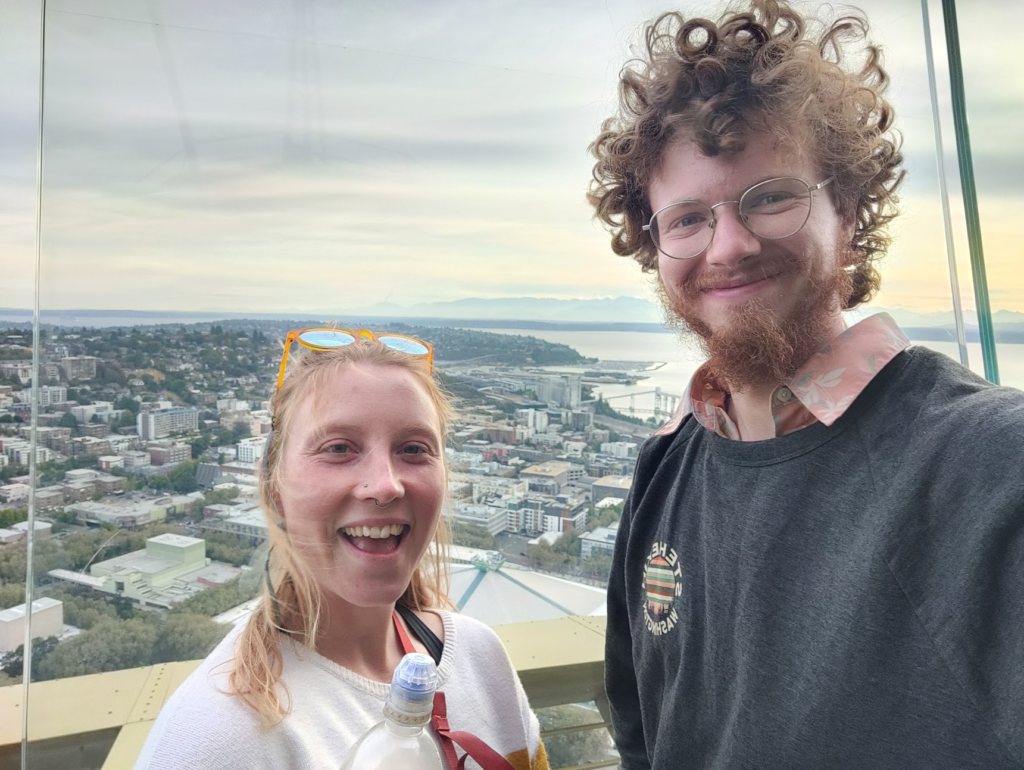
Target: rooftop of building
602 534
169 538
15 613
549 468
619 482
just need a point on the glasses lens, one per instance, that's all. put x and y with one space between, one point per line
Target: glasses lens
326 338
776 208
683 230
404 345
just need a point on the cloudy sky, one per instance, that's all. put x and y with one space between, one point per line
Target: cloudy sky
298 155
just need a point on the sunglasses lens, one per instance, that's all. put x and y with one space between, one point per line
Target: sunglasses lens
326 338
404 345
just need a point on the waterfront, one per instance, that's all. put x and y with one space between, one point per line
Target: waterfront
681 361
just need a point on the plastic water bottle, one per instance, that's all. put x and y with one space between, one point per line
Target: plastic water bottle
403 741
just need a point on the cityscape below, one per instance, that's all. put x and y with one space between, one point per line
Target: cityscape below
149 537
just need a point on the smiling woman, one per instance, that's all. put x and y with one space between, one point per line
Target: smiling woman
353 487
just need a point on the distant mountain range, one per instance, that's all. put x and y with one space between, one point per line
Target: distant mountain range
618 313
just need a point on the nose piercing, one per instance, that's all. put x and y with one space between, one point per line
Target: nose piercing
377 503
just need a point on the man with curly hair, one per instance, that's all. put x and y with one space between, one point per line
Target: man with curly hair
821 560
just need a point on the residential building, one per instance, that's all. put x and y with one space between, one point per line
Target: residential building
168 452
493 518
103 410
135 459
564 513
578 419
546 475
619 449
601 540
87 445
50 498
163 422
94 429
525 515
535 419
14 493
560 389
20 370
107 463
79 367
52 394
250 450
111 485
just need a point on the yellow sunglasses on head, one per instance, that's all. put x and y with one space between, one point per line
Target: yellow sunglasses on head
329 339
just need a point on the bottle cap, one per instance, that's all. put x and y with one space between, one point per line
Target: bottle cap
412 689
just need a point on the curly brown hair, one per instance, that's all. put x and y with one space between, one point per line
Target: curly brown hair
763 69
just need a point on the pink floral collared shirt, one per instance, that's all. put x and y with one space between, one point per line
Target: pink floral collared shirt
820 391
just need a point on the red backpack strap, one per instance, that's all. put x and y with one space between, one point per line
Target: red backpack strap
402 635
487 757
439 719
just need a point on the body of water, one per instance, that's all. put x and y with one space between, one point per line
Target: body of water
681 361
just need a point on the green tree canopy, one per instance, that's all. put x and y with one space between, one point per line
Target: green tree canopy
187 636
473 536
111 645
14 664
11 595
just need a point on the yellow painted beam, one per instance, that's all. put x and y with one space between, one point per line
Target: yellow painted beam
126 748
559 661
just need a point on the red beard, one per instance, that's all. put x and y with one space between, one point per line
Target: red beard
755 346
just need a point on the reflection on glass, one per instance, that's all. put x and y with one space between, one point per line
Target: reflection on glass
217 176
568 740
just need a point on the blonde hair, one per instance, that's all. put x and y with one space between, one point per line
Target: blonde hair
293 605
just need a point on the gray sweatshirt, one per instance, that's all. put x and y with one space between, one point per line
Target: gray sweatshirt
840 597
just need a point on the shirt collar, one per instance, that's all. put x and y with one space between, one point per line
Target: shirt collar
825 386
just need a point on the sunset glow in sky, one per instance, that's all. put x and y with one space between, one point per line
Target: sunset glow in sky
317 157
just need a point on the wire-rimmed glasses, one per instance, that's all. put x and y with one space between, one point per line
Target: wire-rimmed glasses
773 209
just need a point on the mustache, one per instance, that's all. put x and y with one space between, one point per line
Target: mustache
767 267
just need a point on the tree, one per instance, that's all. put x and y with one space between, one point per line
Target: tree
604 517
472 536
199 446
218 599
68 420
569 543
598 566
187 636
543 556
14 664
9 516
183 478
11 595
220 496
111 645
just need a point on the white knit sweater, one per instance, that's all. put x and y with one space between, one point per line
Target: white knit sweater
201 726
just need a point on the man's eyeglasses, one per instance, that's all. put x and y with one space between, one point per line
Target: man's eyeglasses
773 209
329 339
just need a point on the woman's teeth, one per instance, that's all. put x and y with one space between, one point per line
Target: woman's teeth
376 533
